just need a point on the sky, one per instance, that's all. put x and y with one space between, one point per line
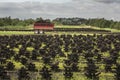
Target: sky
43 1
108 9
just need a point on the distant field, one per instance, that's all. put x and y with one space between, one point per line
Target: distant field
15 33
32 33
112 30
73 26
51 33
57 26
84 26
17 27
31 27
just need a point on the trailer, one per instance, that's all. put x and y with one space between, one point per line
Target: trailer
39 27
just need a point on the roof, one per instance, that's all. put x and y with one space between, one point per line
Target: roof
48 26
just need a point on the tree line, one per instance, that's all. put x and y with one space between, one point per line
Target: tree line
8 21
98 22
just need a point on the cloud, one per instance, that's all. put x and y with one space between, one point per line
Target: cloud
108 1
35 9
75 8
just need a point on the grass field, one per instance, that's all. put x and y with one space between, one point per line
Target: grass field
15 33
48 33
53 33
84 26
30 27
17 27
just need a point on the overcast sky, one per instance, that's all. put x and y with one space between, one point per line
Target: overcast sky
108 9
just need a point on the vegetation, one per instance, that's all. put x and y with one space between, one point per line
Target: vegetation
7 23
98 22
65 57
67 54
17 24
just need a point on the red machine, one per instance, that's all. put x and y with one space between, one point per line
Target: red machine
40 27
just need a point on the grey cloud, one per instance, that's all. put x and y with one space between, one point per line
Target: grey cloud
78 8
35 9
108 1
